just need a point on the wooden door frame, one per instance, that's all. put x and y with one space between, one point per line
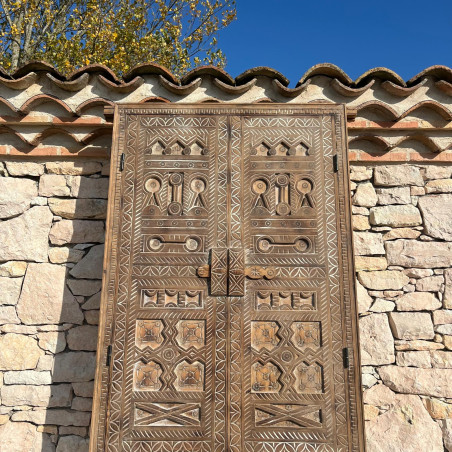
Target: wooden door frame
106 325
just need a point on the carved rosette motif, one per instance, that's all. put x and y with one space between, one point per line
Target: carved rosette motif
238 361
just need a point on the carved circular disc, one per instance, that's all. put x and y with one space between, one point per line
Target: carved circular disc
260 186
301 245
304 186
155 243
152 185
282 180
198 185
175 208
264 244
192 244
175 179
283 208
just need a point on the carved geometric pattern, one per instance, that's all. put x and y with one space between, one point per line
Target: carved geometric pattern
264 335
285 300
309 378
147 376
306 335
191 333
287 416
219 272
149 333
236 272
167 414
265 378
189 377
171 298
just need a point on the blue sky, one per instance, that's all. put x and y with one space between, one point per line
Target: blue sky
293 35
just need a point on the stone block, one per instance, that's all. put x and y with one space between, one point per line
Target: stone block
439 186
376 341
72 443
74 367
24 437
368 243
414 359
406 426
364 300
10 290
417 345
418 301
411 253
79 208
360 223
87 187
401 233
442 317
360 173
55 416
84 389
18 352
94 302
25 168
77 231
441 359
53 185
63 254
410 380
365 195
393 175
430 284
26 237
436 210
45 299
393 195
13 269
37 396
437 172
447 296
85 287
395 216
382 305
83 338
82 404
27 377
92 317
383 280
370 263
8 315
52 341
16 196
91 266
74 168
411 325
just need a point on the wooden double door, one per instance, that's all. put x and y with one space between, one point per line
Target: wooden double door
228 316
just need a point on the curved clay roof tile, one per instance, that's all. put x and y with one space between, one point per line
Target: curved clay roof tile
149 69
327 69
94 69
37 66
262 71
207 70
382 73
440 72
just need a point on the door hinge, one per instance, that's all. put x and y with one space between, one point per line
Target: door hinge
335 163
345 357
121 161
108 360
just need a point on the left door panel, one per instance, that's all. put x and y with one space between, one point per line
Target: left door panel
165 388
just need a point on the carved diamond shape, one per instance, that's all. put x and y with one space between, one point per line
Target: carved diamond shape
147 376
191 333
264 335
189 377
306 335
265 377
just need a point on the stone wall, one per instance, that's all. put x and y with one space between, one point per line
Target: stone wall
51 246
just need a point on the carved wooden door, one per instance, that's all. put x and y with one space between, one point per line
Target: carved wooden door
228 320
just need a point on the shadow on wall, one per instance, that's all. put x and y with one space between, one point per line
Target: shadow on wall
52 229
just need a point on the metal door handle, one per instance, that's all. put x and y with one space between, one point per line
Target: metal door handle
227 272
